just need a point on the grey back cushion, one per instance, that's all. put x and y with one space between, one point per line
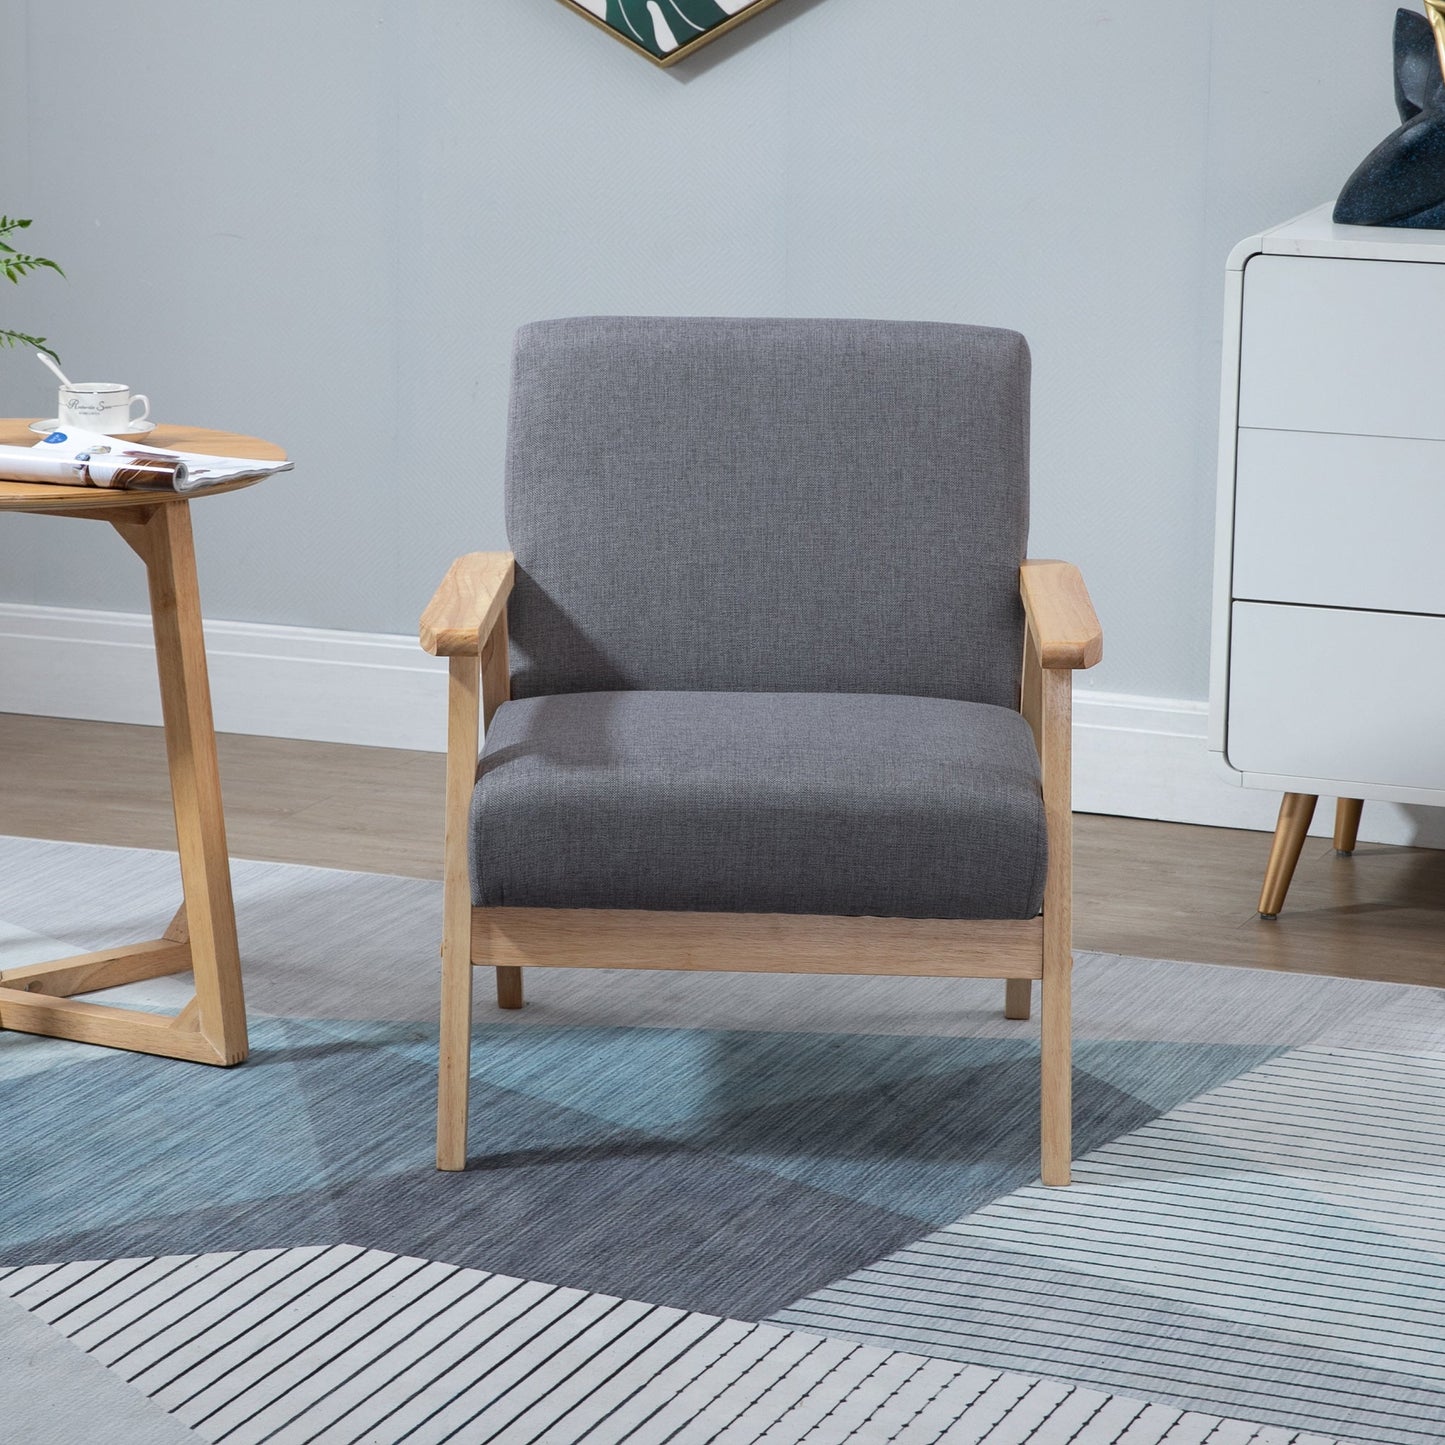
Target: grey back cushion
768 506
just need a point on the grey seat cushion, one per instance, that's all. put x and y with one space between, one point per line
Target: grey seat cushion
828 803
768 506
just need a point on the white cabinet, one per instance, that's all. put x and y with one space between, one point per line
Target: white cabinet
1328 672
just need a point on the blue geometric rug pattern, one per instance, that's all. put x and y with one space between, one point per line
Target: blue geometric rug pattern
741 1147
727 1172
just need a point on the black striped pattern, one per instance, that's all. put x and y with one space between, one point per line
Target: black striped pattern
332 1345
1274 1248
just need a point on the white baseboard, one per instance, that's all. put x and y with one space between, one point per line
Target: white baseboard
1145 757
289 682
1140 757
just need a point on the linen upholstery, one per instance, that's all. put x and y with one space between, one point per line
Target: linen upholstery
826 803
768 505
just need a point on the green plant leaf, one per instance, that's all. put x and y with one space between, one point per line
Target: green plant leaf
15 265
19 338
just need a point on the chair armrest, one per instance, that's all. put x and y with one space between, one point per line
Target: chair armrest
472 596
1060 616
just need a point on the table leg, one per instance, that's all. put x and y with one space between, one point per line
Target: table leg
211 1029
195 780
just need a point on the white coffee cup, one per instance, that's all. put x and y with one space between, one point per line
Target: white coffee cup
102 406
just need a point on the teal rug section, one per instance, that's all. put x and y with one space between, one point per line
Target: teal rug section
832 1150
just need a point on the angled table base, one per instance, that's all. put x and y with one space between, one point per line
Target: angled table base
37 999
201 938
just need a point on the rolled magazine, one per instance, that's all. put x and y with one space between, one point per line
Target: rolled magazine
88 459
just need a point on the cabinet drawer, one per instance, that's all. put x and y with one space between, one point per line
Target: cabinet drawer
1342 346
1320 692
1343 521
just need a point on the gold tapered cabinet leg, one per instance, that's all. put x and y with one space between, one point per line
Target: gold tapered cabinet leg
1295 815
1347 824
509 988
1018 998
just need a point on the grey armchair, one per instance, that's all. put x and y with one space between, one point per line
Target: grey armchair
767 682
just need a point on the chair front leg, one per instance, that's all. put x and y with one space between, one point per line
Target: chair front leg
454 1078
1057 988
1047 704
1018 998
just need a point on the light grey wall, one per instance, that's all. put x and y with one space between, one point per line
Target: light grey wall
321 222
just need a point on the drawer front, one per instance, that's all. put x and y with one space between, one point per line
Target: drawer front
1342 346
1340 521
1320 692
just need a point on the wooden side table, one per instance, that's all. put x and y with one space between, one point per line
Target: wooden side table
38 999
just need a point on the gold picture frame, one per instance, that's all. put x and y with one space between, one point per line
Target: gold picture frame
665 55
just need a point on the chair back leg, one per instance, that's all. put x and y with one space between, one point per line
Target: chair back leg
509 988
1018 998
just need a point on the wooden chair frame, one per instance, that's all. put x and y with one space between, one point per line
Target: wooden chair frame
466 622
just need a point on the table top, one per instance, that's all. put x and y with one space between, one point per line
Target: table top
46 497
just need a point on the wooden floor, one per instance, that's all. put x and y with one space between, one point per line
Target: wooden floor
1162 890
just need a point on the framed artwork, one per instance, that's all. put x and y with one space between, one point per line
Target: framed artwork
666 31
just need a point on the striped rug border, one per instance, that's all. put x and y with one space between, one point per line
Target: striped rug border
330 1344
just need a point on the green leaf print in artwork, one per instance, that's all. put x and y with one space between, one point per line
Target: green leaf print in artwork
662 26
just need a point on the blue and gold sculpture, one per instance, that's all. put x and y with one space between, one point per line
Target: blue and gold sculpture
1402 181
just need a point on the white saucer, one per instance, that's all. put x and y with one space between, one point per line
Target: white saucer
135 429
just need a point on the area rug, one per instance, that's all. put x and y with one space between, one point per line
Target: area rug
847 1163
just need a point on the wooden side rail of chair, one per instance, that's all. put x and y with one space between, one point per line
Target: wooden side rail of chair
757 943
1060 615
472 597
